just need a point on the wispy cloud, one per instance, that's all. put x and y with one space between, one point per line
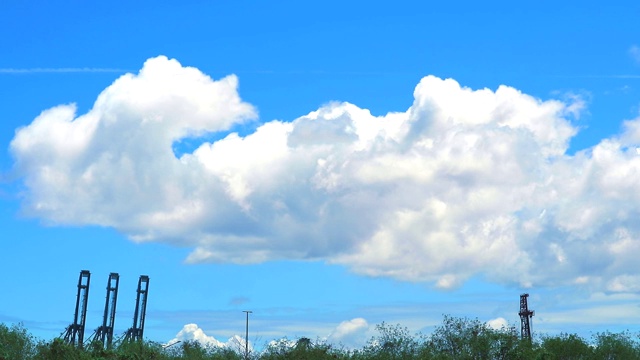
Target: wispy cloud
239 300
624 76
605 76
59 70
634 51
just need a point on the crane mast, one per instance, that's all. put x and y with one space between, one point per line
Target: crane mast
104 333
74 334
136 332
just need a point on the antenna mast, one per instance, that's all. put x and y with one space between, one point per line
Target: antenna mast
525 317
74 334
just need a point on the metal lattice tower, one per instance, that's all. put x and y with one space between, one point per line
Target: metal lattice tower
104 333
136 332
525 317
74 334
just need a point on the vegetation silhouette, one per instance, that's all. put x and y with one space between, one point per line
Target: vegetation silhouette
455 338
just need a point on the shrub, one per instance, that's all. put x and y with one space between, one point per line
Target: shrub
16 343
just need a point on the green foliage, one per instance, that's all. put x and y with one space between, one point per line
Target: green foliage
455 339
393 342
462 338
59 350
465 339
16 343
610 346
302 349
566 347
140 350
193 350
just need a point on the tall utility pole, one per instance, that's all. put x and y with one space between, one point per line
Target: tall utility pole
525 318
246 336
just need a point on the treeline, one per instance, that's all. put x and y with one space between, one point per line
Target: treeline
455 338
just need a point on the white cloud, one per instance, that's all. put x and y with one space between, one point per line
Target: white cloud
464 182
351 333
498 323
191 332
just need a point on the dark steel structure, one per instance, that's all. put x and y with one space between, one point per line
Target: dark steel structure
246 338
74 334
136 332
525 318
104 333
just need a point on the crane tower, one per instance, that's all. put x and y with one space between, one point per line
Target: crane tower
74 334
135 333
104 333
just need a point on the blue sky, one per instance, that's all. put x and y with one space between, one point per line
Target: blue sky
309 162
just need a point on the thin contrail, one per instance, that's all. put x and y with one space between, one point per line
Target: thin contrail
620 76
60 70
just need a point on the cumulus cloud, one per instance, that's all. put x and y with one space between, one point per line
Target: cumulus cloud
351 333
498 323
191 332
464 182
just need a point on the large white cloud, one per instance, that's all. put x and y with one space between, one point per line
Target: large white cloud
464 182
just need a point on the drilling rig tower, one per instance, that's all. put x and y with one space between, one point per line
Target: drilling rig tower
525 318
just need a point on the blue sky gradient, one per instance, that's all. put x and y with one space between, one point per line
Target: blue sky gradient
293 58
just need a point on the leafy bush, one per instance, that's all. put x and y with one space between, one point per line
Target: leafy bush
393 342
455 338
16 343
59 350
193 350
610 346
304 348
566 346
